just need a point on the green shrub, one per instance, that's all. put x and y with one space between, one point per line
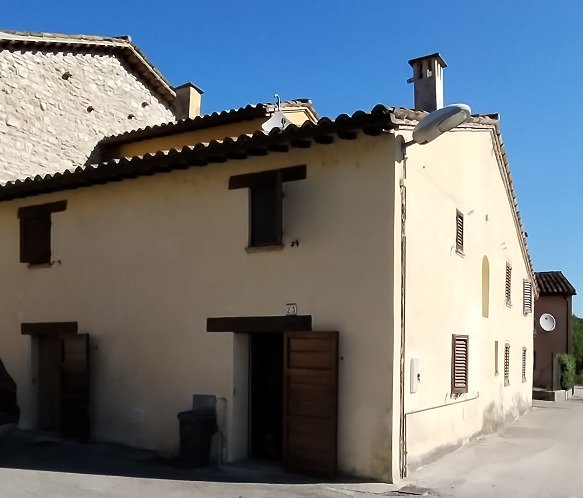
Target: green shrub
568 370
577 345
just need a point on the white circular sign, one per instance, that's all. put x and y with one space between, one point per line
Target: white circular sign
547 322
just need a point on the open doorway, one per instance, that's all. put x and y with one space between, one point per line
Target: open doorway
266 395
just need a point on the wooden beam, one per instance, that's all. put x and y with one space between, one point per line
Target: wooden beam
48 328
259 323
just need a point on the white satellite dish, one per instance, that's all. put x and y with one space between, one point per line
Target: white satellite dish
547 322
277 120
440 121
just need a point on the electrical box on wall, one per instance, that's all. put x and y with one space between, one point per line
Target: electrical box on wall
414 374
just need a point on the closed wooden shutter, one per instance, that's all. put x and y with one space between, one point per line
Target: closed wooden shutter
527 299
459 364
506 363
508 284
459 232
524 365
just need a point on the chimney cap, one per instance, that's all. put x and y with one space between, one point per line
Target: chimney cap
190 84
435 55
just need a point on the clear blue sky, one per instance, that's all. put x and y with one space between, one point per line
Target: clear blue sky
522 59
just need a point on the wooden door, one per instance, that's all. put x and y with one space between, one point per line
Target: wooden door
310 402
75 386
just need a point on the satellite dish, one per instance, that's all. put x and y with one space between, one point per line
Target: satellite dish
547 322
440 121
277 120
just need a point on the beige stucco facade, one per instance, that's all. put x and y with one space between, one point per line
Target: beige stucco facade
143 263
462 170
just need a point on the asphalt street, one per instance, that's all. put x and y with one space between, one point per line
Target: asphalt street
539 456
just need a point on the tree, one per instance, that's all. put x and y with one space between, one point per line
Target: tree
577 346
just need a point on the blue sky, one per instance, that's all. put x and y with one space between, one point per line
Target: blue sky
522 59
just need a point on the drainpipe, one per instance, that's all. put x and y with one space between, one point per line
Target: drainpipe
402 349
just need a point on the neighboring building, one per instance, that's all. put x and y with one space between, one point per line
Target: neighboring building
208 256
60 94
555 299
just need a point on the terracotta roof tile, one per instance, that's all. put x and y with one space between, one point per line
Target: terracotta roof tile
552 283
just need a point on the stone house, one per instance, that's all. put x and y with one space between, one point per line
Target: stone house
354 310
554 304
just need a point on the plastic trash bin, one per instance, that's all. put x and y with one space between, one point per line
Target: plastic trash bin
197 427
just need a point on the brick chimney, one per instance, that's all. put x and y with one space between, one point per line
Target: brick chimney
428 82
188 101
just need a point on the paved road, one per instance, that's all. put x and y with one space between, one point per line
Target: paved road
538 456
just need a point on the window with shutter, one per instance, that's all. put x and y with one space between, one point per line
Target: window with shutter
524 365
35 232
508 284
496 357
527 298
459 232
459 383
506 363
265 202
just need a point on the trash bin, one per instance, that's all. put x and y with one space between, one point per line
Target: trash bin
197 427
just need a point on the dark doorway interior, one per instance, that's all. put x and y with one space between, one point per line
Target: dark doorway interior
49 384
266 396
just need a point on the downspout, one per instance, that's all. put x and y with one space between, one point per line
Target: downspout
402 349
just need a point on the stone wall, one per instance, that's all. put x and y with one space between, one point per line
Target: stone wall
55 107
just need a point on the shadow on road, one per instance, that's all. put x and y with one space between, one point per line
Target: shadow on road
34 451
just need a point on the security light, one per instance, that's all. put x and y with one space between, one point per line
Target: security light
438 122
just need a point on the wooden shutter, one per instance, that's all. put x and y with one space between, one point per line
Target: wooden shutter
506 363
459 232
310 402
496 357
35 232
35 239
459 382
75 386
527 299
524 365
508 284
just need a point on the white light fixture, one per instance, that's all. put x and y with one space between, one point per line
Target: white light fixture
438 122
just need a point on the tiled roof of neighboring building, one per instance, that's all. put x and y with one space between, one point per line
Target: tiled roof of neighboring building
229 116
202 154
552 283
122 46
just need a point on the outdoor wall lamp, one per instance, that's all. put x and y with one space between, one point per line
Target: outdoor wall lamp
436 123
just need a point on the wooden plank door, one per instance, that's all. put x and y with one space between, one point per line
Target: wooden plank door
310 402
75 386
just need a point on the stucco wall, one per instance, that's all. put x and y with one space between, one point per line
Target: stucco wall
444 294
45 125
548 344
145 262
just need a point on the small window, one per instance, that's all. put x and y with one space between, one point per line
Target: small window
527 298
459 382
265 202
35 232
506 364
485 287
496 357
524 365
508 284
459 232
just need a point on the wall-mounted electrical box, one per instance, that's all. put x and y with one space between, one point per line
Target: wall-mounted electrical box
414 374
